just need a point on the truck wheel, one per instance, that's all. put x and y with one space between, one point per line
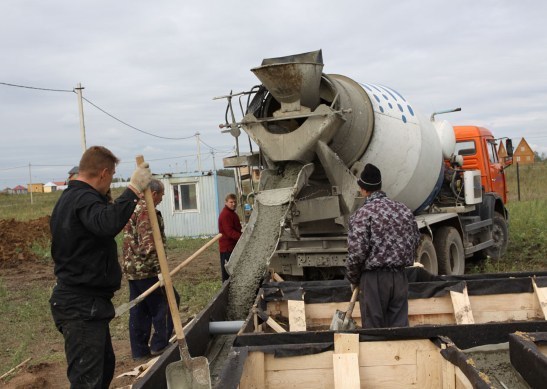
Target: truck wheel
499 235
449 247
425 254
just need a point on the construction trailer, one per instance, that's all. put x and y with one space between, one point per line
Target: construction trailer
193 201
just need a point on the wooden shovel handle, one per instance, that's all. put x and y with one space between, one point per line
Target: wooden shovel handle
352 301
160 250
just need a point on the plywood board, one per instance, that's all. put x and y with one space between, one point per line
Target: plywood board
346 343
253 376
428 368
346 371
462 307
297 315
541 295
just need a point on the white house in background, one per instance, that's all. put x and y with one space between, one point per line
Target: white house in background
193 201
50 187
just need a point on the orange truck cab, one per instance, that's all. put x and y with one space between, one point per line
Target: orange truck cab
479 150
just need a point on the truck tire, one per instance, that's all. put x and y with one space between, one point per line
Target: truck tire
425 254
499 235
449 247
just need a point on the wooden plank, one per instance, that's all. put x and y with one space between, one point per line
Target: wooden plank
444 318
253 376
274 325
502 302
541 295
301 379
383 353
297 315
430 306
428 369
389 377
346 371
448 373
345 361
346 343
394 352
462 307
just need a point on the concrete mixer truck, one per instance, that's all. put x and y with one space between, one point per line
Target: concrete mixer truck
315 132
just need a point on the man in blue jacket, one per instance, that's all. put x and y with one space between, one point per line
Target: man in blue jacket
83 227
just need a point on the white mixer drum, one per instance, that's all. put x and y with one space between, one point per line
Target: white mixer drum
405 147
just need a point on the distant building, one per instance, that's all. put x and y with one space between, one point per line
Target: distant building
502 153
523 153
50 187
192 202
19 189
36 188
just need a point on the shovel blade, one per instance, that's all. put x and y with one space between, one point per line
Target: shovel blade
192 374
342 322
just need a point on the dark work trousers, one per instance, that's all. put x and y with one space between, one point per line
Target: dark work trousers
384 299
224 258
83 321
152 311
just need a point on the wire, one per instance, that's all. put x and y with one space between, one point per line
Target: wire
32 87
133 127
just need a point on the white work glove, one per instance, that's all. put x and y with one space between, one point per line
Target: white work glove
141 177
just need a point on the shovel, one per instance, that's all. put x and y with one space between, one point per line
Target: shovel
342 320
190 372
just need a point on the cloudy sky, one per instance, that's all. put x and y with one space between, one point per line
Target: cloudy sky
158 65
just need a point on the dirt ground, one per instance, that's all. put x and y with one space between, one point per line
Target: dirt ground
19 265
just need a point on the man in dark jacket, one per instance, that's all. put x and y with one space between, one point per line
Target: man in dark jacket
230 228
83 227
141 267
382 240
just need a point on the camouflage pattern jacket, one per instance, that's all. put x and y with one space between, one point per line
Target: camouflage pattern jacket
382 235
140 259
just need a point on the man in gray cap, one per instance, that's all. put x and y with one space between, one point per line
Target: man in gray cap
382 241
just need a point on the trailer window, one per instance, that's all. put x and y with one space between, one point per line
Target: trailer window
466 148
185 197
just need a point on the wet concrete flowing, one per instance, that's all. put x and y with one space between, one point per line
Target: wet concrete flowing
258 242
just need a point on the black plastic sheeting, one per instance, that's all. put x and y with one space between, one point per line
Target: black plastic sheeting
527 359
459 358
463 335
422 284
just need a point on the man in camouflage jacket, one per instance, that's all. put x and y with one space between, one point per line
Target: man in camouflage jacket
382 240
141 267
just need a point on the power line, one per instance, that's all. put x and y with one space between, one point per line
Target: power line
35 88
133 127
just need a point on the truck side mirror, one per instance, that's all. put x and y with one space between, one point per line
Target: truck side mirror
509 147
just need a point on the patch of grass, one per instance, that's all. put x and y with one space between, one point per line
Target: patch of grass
24 319
42 250
190 244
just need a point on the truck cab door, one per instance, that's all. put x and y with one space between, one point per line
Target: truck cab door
495 167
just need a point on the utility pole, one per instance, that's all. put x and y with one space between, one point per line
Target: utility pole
214 164
199 152
81 107
30 182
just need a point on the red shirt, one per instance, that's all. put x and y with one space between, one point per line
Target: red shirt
230 228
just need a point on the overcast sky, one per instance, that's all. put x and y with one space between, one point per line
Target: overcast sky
157 65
